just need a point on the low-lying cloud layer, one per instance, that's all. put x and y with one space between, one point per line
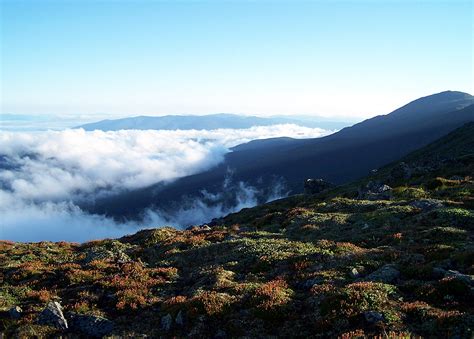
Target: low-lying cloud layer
44 174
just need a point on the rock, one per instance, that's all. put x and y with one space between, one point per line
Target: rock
426 204
179 320
439 272
90 325
166 322
199 229
53 315
386 274
375 191
354 273
113 251
401 171
311 282
220 334
373 317
468 279
15 312
315 186
457 177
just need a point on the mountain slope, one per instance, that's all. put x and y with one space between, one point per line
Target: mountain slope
208 122
341 157
332 264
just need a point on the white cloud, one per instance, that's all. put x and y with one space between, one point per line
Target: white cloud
43 174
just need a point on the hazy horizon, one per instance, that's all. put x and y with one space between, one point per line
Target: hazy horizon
332 59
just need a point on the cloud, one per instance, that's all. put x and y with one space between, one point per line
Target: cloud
44 174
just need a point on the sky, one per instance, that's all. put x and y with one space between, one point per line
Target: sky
330 58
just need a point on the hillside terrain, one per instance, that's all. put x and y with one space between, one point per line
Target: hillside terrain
208 122
339 158
391 254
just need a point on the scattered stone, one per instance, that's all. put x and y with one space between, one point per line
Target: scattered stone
166 322
386 274
427 204
90 325
365 226
53 315
375 191
315 186
373 317
15 312
401 171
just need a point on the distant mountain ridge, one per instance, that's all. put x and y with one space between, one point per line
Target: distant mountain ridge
207 122
341 157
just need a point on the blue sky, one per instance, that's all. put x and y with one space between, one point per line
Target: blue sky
332 58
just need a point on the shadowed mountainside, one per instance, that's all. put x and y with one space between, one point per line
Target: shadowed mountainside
341 157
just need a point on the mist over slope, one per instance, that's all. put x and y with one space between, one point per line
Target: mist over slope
45 176
341 157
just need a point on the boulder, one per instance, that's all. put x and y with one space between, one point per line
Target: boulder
373 317
427 204
15 312
375 191
386 274
354 273
179 320
315 186
113 251
90 325
52 315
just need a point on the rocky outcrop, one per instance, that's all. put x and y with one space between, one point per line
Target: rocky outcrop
315 186
53 315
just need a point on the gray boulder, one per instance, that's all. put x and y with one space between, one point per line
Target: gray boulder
115 251
386 274
90 325
375 191
427 204
53 315
179 320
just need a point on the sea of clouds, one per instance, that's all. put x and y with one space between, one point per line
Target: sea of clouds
44 175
